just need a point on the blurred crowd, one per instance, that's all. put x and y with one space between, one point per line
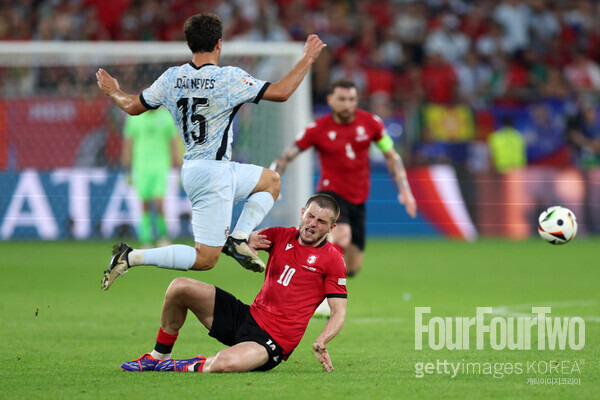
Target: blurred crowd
397 51
402 54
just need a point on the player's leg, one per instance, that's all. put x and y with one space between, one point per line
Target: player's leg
158 193
183 294
143 183
354 254
341 236
243 357
208 185
145 225
161 224
261 187
353 257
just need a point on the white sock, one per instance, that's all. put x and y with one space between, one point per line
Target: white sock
135 257
160 356
177 256
255 209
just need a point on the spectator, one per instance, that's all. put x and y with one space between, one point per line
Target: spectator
448 40
474 78
492 45
544 24
584 134
583 74
515 17
350 67
411 29
475 24
439 80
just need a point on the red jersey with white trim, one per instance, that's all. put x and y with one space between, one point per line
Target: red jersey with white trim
344 153
297 279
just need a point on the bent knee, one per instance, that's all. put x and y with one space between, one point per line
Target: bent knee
270 182
223 364
179 286
274 183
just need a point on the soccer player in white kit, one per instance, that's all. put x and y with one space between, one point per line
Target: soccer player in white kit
203 98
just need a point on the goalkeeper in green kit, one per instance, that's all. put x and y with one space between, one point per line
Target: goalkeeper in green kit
149 149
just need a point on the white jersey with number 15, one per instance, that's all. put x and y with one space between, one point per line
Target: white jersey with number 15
203 101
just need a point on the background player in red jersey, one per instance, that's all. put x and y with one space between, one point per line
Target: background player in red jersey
303 269
342 139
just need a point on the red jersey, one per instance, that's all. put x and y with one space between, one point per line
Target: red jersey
344 153
297 279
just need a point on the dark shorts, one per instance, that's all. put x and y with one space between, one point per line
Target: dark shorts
233 324
354 215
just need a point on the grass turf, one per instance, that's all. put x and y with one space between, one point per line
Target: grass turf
65 338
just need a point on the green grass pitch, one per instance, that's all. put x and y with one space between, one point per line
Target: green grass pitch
64 338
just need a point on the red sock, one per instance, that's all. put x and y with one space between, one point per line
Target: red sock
165 341
198 367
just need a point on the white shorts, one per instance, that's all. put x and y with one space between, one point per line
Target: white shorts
213 187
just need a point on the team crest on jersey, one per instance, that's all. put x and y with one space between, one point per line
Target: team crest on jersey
361 134
331 135
248 80
311 259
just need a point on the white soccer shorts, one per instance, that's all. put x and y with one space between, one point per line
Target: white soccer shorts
213 187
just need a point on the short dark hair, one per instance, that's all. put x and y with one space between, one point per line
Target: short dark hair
202 32
327 202
343 83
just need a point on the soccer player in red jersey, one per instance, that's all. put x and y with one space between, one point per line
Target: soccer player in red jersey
303 269
342 140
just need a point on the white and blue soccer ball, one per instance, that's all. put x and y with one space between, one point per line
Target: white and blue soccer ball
557 225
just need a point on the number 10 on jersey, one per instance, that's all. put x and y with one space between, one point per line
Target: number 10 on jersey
286 275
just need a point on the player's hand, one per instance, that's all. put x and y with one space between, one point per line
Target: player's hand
258 241
106 83
405 197
313 47
322 355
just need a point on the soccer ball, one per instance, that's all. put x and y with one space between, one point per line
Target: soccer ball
557 225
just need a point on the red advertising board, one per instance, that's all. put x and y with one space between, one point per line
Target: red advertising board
55 132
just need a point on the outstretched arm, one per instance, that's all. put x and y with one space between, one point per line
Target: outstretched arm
395 166
333 326
129 103
288 155
283 89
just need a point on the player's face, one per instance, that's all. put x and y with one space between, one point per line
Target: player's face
343 103
315 224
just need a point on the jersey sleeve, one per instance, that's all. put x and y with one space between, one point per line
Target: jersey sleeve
244 88
157 94
305 138
335 280
272 235
380 129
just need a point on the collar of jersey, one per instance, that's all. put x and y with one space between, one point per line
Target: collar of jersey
203 65
323 243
